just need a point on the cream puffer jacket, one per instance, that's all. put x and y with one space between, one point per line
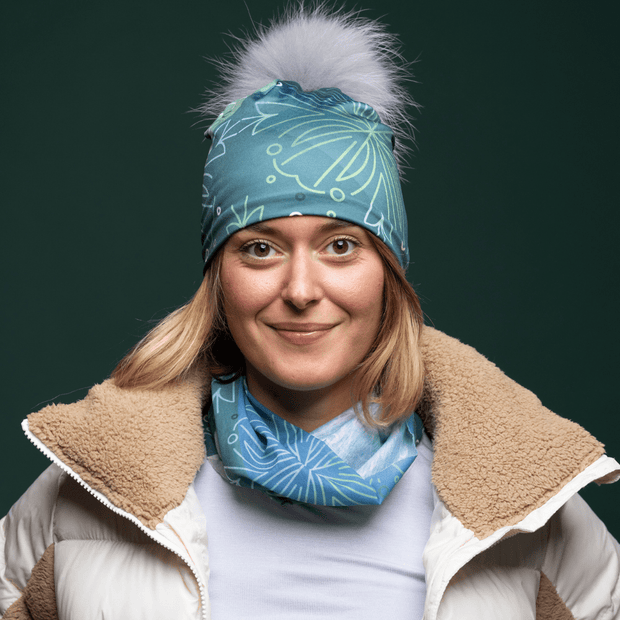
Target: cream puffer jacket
117 515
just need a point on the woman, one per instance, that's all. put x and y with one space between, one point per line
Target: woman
323 402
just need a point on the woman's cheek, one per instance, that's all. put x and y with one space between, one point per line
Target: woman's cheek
361 293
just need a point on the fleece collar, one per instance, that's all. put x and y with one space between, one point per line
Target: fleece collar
498 453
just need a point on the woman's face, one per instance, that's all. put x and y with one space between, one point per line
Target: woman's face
303 300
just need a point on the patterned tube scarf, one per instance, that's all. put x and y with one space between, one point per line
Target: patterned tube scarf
342 463
282 151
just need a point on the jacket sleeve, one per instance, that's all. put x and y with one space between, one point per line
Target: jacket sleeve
26 533
582 562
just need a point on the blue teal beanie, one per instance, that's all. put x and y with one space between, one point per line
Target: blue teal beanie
282 151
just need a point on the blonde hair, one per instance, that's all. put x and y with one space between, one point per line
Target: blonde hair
391 374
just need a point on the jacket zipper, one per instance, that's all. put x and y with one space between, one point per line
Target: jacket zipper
52 457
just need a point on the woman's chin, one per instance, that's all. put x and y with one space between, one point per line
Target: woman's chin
294 380
302 383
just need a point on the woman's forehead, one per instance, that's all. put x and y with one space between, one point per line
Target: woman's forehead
308 223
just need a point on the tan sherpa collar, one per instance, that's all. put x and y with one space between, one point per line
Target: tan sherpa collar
498 453
140 448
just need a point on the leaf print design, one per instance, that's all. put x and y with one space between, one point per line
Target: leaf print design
295 464
241 219
361 164
280 143
252 447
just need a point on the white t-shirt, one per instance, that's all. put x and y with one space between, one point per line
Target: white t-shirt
303 562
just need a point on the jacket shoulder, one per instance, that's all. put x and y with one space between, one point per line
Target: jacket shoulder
26 532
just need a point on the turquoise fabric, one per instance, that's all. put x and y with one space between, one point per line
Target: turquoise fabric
343 463
282 151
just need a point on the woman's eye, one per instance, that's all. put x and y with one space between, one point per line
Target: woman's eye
259 249
341 247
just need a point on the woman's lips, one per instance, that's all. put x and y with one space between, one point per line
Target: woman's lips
302 333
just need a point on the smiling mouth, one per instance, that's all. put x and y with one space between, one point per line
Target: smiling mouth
302 333
302 327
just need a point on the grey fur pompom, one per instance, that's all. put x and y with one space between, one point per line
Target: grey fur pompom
319 47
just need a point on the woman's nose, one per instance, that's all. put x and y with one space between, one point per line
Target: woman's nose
302 286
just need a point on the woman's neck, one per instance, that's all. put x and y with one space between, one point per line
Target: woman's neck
307 409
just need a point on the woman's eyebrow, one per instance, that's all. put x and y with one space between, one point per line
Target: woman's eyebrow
336 224
260 227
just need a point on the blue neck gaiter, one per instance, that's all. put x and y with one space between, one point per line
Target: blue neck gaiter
342 463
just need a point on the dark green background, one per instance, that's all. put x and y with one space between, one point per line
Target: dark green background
512 195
